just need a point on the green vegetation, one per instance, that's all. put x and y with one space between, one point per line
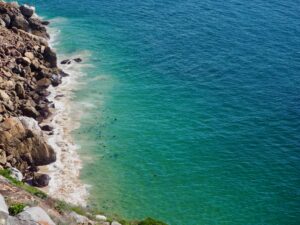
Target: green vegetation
150 221
32 190
16 208
63 207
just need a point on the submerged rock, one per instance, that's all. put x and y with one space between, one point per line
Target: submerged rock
78 60
47 128
66 61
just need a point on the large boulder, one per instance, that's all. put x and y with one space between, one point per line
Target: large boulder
35 216
26 10
20 22
31 124
25 146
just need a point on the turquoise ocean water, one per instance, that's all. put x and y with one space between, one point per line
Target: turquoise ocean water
192 107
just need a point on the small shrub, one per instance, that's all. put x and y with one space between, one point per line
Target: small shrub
61 206
16 208
150 221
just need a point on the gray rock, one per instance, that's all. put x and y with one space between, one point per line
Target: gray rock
31 124
13 221
115 223
26 10
3 206
80 219
15 173
105 223
35 216
101 217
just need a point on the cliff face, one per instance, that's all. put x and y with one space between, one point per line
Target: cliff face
28 66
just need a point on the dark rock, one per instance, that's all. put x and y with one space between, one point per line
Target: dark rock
24 61
45 22
56 80
20 23
41 180
50 57
64 74
20 90
26 11
78 60
47 128
30 111
59 96
37 28
66 61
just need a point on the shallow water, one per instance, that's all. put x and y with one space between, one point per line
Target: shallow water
191 108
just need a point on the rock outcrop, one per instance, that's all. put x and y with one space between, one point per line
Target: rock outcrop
24 147
28 66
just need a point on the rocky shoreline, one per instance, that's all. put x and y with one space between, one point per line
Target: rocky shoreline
28 67
35 127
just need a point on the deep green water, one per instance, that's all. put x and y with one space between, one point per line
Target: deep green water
192 108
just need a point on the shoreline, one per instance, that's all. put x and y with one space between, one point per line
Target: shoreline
65 180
